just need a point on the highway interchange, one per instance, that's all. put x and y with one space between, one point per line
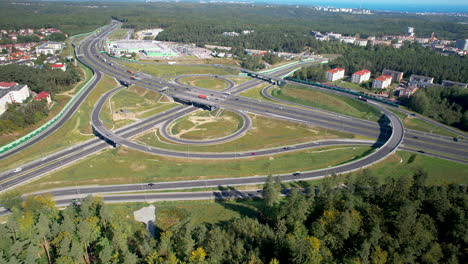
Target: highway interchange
388 132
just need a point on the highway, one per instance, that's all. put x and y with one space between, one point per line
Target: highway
389 131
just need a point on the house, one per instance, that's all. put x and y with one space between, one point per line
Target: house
360 76
446 83
382 82
12 92
335 74
60 66
43 96
421 79
396 75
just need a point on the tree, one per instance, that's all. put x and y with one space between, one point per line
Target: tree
11 200
197 256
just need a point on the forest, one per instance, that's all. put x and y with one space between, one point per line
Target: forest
20 116
448 105
401 220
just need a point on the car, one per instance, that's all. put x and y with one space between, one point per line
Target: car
254 153
296 174
18 170
150 184
286 148
421 151
455 139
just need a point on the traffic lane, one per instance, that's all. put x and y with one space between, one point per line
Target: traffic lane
425 146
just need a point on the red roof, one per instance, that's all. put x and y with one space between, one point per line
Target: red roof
383 78
8 84
362 72
58 65
42 95
336 70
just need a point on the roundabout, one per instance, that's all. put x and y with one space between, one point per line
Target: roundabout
211 82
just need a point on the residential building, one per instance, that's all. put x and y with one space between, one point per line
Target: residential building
60 66
462 44
230 34
361 42
12 92
49 48
446 83
360 76
396 75
382 82
335 74
421 79
44 96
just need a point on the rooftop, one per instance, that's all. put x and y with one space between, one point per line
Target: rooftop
362 72
383 78
5 91
336 70
7 84
41 95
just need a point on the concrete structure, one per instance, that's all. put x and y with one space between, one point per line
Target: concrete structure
43 96
60 66
446 83
49 48
421 79
382 82
335 74
396 75
11 92
462 44
360 76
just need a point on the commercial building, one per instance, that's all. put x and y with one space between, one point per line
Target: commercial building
12 92
335 74
148 47
462 44
382 82
396 75
360 76
446 83
49 48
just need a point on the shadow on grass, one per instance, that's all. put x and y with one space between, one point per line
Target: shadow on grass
230 198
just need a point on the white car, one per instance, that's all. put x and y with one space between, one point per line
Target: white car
17 170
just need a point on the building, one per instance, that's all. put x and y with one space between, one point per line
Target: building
396 75
43 96
446 83
335 74
382 82
462 44
230 34
12 92
410 31
361 42
360 76
60 66
421 79
49 48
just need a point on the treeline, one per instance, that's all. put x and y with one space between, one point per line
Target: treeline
448 105
20 116
38 80
401 221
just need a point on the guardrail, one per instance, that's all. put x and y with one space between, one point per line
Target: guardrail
337 88
45 126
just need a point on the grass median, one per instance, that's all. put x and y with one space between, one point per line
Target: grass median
173 70
122 165
205 82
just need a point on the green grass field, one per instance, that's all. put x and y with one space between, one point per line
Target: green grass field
265 133
130 166
327 101
239 80
206 125
205 82
118 34
173 70
75 130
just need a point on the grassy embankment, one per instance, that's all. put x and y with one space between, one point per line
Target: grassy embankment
118 34
206 125
133 104
131 166
75 130
327 101
205 82
174 70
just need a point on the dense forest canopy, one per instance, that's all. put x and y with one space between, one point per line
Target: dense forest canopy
401 221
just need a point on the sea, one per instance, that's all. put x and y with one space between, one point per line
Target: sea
460 6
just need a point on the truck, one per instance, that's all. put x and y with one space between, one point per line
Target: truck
132 78
203 96
130 71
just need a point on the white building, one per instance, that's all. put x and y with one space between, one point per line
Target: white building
230 34
335 74
49 48
382 82
11 92
60 66
361 42
360 76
